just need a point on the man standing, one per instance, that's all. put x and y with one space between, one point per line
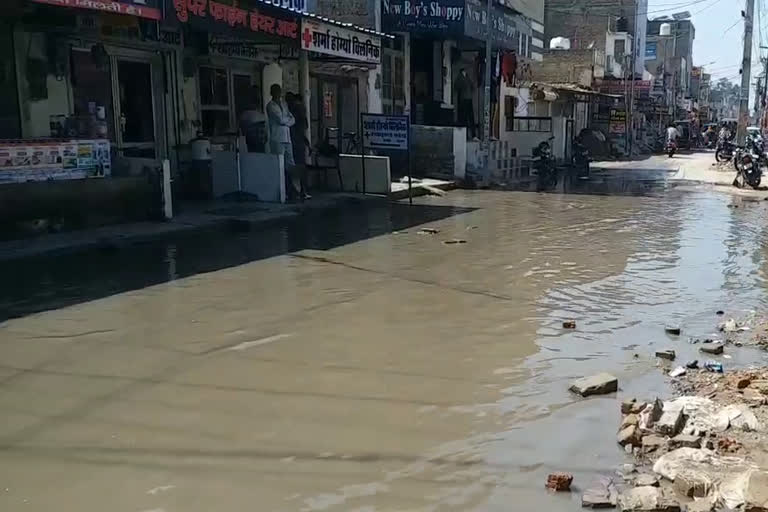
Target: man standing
280 122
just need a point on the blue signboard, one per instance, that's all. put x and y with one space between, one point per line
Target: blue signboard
650 50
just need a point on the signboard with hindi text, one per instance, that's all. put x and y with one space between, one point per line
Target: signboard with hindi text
329 39
219 18
142 8
385 132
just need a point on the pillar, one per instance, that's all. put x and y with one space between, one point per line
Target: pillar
304 90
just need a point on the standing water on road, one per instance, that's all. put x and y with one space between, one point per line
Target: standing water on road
355 361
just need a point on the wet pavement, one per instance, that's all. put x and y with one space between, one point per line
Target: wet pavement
349 362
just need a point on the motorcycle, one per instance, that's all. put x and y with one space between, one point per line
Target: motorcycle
671 148
544 165
724 151
748 162
581 159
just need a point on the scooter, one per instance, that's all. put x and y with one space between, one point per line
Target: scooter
671 148
544 165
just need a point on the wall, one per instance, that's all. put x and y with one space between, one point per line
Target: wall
585 23
438 152
573 66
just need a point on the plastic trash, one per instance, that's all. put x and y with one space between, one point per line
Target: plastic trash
714 366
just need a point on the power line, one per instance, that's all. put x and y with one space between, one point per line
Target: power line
592 6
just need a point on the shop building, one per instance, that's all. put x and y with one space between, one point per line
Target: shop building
113 89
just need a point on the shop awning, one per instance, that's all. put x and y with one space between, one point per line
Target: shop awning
574 89
141 8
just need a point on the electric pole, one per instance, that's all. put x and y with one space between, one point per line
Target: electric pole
746 67
487 84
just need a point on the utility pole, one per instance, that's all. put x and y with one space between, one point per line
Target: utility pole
631 113
746 67
487 86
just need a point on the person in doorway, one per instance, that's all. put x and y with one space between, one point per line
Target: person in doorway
466 111
280 121
253 123
299 139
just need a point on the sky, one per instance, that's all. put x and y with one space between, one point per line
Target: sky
719 32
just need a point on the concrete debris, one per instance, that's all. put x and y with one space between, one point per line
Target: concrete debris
714 348
646 480
630 435
708 504
569 324
692 365
671 422
729 325
685 441
674 330
675 462
743 383
629 420
651 414
666 354
627 405
692 483
454 241
651 443
738 416
600 494
599 384
559 481
677 372
428 231
647 499
756 493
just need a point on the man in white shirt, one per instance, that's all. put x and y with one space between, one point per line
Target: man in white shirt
672 133
280 121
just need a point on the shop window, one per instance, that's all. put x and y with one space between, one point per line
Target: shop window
510 106
393 82
224 96
214 101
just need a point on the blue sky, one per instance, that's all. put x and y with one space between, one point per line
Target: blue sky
719 32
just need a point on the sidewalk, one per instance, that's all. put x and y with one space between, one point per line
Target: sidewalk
202 216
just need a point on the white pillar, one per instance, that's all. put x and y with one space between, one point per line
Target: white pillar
272 74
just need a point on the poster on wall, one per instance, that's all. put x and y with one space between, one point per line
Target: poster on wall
329 39
618 122
56 160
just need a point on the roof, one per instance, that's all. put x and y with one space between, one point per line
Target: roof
574 88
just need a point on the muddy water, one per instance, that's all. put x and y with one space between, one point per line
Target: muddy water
351 363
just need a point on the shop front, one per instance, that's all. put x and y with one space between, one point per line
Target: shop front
234 55
92 100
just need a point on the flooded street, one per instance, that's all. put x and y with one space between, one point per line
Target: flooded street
349 362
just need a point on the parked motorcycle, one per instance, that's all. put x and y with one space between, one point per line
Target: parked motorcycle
724 151
580 159
748 162
671 148
544 165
